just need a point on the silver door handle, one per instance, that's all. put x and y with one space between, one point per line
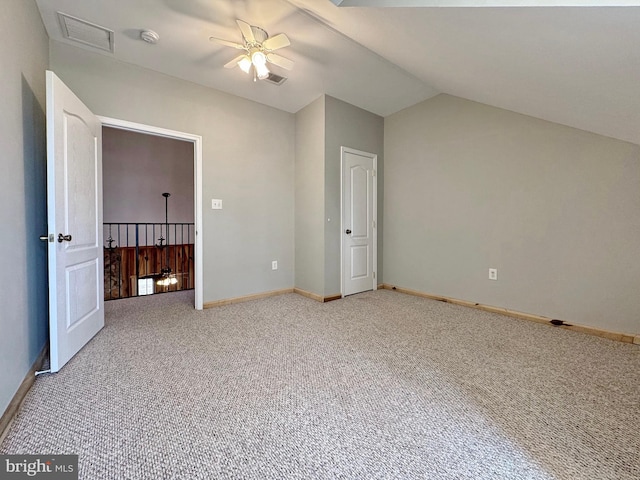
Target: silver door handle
63 238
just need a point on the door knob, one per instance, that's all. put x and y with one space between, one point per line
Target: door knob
63 238
347 231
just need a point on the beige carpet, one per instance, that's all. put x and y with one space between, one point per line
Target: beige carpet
380 385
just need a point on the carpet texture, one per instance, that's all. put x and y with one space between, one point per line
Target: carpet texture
379 385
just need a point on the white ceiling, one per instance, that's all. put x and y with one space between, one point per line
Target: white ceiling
579 66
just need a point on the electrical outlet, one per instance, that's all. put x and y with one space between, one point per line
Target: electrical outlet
493 274
216 204
274 265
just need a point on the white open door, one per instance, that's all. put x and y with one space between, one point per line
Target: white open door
74 204
359 211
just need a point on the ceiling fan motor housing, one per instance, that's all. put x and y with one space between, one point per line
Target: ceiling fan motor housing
259 34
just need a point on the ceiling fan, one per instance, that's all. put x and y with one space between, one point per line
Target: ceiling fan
258 49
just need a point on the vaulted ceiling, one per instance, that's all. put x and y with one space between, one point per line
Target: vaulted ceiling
574 65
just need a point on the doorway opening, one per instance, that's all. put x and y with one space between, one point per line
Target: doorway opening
144 253
152 210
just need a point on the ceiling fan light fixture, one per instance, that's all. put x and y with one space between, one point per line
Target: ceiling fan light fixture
258 58
167 280
262 71
245 64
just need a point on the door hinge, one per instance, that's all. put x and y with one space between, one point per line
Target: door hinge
374 274
373 223
373 173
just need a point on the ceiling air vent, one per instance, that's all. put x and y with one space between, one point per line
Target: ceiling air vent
275 79
86 33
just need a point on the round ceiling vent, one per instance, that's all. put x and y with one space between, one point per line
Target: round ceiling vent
149 36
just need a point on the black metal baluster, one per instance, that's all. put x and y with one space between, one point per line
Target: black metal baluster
119 266
137 262
175 252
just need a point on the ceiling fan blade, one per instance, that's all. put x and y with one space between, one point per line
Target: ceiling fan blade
280 61
234 62
247 33
227 43
276 42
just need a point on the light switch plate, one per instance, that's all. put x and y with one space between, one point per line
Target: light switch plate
216 204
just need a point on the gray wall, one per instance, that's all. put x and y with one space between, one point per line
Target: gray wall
137 169
554 209
248 162
309 198
24 56
347 126
321 129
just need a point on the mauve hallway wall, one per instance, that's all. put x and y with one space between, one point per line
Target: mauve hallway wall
137 169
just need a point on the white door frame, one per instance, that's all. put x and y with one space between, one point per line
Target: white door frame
374 157
197 183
